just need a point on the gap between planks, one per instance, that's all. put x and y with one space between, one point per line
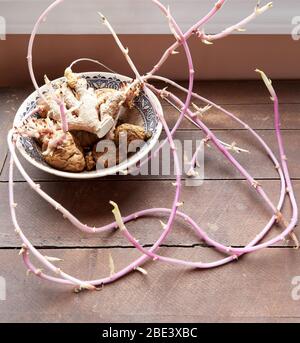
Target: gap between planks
171 246
140 180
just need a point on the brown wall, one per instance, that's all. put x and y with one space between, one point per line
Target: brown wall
235 57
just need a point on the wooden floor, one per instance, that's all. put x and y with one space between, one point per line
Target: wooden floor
256 288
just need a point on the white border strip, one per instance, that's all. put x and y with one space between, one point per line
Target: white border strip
141 16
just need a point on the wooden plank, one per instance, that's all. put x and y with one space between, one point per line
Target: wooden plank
215 165
236 91
256 116
246 92
10 100
257 288
228 210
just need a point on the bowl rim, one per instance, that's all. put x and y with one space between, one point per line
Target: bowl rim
101 172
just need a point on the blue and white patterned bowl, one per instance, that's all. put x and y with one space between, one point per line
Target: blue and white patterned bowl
147 118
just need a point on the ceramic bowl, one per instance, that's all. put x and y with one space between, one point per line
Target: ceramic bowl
143 115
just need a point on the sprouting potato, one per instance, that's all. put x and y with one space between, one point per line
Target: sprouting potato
92 115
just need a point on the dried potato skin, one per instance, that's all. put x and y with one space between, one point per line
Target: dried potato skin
133 132
90 162
68 157
85 139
